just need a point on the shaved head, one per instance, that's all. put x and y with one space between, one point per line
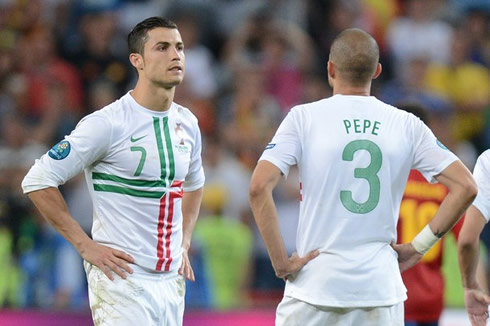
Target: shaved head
355 55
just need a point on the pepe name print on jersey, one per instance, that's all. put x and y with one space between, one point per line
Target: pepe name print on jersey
137 163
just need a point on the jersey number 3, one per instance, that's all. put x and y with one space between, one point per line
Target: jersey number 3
369 173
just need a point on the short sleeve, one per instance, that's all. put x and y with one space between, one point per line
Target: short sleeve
482 178
431 157
87 143
284 150
195 177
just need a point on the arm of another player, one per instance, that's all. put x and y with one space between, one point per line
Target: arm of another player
476 301
52 206
191 203
462 192
264 180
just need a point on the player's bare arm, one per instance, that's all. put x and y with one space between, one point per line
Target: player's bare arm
53 208
476 301
264 180
462 192
190 211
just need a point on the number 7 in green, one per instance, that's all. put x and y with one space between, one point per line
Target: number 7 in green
142 159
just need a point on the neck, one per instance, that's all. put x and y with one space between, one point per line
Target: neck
343 89
153 98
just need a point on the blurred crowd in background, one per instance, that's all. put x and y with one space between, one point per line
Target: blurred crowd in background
247 63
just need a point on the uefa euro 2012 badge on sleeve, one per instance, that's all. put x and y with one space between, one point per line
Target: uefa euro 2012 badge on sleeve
60 150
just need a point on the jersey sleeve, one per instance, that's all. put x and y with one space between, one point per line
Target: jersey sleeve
284 150
431 157
195 177
482 178
87 143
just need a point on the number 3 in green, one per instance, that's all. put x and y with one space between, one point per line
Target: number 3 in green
369 173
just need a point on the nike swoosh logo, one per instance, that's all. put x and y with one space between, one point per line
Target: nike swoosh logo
136 139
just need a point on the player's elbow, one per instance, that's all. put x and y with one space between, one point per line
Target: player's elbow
465 190
468 243
257 189
470 190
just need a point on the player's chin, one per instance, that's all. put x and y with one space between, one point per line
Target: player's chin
175 80
170 82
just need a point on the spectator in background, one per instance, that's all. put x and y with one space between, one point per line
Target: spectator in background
328 18
248 115
17 153
226 248
465 83
282 50
101 92
96 53
41 69
476 22
408 86
8 42
57 119
225 171
417 34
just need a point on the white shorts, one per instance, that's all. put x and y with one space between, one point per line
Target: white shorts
143 298
293 312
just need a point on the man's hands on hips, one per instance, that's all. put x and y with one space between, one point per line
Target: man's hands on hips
107 259
294 264
407 255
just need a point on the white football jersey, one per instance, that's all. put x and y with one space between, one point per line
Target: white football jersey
354 154
137 163
481 173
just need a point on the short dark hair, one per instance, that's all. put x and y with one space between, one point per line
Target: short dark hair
138 36
355 55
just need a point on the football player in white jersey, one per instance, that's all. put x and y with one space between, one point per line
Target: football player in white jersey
477 216
142 161
354 154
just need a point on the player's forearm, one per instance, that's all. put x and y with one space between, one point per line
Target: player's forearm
191 202
462 192
450 211
52 207
468 263
265 215
469 246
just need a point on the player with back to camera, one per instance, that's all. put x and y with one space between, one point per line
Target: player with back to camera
142 161
354 154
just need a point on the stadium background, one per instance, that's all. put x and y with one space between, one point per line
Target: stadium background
247 63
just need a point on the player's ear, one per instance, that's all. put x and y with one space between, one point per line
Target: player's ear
330 69
136 60
379 68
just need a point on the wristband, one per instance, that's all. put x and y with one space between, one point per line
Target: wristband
424 240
